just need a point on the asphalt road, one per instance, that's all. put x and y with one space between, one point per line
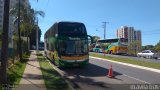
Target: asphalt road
94 76
132 57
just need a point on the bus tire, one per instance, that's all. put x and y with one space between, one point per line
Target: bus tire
111 52
155 57
150 57
53 60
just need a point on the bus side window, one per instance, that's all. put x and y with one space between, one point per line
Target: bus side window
52 46
47 45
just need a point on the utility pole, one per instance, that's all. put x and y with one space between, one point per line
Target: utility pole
4 51
104 26
19 33
37 40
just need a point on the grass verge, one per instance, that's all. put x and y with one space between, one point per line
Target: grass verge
52 78
15 72
130 61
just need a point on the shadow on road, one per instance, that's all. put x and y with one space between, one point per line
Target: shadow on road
85 75
89 71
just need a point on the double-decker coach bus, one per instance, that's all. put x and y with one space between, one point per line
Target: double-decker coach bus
66 43
116 45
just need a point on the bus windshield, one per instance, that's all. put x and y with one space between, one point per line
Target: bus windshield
73 47
71 29
123 41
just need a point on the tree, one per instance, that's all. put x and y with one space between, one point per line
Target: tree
157 47
27 24
4 51
18 12
32 36
133 47
28 19
104 46
25 19
148 47
95 38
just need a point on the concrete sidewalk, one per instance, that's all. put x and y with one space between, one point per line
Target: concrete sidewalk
32 78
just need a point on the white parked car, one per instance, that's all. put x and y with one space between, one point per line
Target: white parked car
148 54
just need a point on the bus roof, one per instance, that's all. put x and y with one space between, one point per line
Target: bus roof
113 40
67 28
68 22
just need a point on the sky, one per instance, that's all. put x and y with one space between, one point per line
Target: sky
143 15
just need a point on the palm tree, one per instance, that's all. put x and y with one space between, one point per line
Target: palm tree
27 23
16 12
28 17
30 21
4 53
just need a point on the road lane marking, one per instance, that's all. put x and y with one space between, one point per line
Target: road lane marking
131 65
136 79
125 74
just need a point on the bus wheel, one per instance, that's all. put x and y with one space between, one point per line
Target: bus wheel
150 57
155 57
111 52
108 52
53 60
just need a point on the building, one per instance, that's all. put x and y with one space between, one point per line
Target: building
13 3
133 36
138 39
1 14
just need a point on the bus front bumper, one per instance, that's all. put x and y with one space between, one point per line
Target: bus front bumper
73 63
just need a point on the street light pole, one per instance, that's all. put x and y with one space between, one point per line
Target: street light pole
104 26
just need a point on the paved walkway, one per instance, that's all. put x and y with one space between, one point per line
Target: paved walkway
32 78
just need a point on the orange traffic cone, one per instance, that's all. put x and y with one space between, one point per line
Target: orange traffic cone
110 73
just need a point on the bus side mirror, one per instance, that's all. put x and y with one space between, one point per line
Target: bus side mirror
91 39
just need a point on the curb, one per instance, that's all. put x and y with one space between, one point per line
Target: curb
131 65
61 73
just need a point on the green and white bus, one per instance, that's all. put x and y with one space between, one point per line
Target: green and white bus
66 43
115 45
